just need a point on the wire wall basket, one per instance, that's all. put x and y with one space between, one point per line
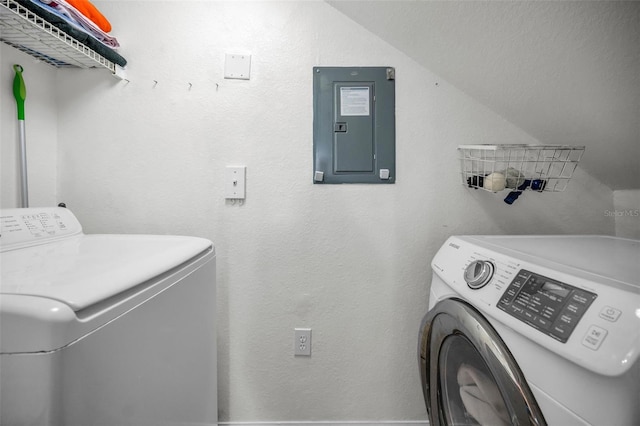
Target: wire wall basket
542 168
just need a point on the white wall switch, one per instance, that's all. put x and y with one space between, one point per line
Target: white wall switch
234 182
237 66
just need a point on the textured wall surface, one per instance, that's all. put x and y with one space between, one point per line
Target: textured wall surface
626 213
41 128
565 72
349 261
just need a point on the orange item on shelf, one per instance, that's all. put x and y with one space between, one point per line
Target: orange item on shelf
90 11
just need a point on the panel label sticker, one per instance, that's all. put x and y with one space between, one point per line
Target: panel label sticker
354 101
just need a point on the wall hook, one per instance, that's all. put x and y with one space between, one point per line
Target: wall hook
190 86
155 83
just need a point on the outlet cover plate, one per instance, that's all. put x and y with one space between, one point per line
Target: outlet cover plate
237 66
302 342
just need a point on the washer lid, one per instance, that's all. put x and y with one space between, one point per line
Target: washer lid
86 269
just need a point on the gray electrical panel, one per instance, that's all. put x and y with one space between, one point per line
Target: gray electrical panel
354 125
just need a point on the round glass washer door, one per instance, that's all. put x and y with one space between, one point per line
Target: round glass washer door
468 375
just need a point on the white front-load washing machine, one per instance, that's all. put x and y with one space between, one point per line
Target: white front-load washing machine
533 330
104 330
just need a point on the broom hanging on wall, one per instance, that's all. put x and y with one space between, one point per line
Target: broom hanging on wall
20 93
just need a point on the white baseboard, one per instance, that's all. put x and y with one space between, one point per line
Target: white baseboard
331 423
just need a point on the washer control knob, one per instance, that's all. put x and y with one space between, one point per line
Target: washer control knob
478 273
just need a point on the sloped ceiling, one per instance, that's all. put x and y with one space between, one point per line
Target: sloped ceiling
564 72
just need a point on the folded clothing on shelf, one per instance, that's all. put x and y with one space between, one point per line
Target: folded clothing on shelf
70 14
57 20
90 11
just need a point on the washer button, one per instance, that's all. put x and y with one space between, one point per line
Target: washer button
594 337
610 314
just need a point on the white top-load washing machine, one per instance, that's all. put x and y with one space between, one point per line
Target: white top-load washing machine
533 330
104 329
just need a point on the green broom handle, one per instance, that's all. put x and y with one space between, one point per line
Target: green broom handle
20 93
19 90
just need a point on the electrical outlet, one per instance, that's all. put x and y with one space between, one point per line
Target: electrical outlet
302 342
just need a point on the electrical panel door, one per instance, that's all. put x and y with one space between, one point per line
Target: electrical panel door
354 124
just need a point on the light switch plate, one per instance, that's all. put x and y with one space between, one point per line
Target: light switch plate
237 66
234 182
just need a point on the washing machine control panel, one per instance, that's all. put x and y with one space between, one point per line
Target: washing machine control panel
26 227
548 305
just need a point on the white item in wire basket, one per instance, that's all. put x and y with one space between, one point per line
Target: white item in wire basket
514 177
495 182
552 164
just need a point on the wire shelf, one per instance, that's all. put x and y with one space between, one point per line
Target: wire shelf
542 168
22 29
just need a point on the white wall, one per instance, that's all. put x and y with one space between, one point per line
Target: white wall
349 261
566 72
626 213
40 129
